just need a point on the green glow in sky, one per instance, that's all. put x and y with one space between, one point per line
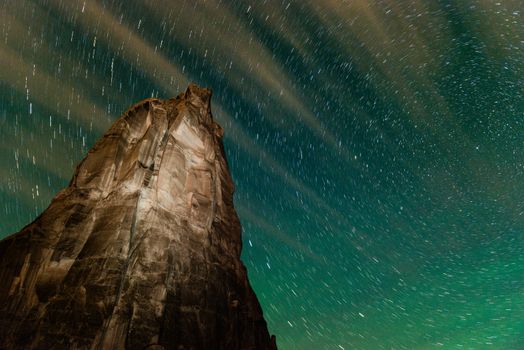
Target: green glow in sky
377 148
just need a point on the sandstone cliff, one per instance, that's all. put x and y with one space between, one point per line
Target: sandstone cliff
141 250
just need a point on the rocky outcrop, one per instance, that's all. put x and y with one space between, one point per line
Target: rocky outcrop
141 250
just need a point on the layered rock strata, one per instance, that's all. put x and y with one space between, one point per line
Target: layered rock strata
141 250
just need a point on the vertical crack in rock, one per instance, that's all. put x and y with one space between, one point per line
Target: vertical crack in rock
141 250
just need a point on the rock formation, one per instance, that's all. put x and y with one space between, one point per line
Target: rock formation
141 250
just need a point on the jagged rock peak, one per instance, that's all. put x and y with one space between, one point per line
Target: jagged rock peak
141 250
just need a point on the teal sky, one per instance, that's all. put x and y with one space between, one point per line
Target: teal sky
377 148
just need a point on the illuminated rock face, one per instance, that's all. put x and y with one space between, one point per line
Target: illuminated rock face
142 250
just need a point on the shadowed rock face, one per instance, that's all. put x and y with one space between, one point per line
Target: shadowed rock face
142 250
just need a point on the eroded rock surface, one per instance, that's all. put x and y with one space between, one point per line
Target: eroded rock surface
142 250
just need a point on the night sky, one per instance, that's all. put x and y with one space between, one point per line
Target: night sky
377 148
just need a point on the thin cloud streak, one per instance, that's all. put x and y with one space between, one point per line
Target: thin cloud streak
251 60
279 234
19 75
125 42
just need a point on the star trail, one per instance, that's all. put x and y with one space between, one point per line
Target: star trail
377 148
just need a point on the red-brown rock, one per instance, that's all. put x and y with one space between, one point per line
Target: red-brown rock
142 250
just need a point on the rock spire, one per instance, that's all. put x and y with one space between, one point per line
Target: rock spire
141 250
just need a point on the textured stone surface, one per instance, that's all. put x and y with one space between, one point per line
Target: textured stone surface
142 250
